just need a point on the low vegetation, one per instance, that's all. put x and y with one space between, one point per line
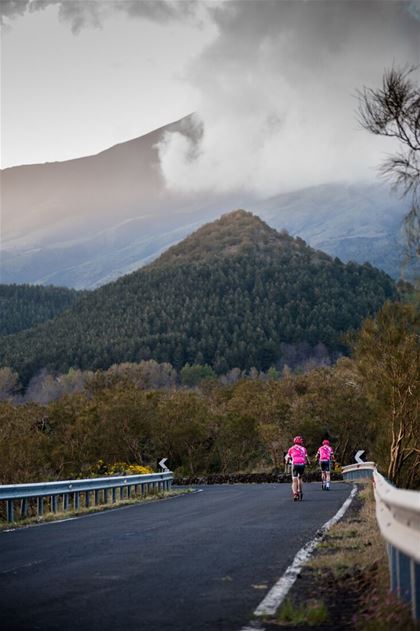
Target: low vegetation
310 613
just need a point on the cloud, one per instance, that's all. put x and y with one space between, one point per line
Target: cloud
91 13
12 8
278 86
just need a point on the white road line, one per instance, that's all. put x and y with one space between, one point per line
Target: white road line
279 591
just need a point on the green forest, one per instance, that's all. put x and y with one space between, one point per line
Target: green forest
204 423
23 306
235 294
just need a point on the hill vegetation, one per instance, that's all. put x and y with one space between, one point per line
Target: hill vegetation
233 294
137 413
23 306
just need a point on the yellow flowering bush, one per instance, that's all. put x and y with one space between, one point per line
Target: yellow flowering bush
120 468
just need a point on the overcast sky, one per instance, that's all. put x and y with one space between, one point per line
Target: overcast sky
272 82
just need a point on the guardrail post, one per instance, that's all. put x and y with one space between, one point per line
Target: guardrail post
404 578
96 497
105 496
53 503
10 512
114 495
24 508
415 589
65 501
40 505
393 567
87 499
76 500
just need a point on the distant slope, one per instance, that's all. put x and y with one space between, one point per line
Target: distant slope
359 222
23 306
229 295
81 223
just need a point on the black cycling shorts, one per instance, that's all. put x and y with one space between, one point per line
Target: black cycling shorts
325 465
298 470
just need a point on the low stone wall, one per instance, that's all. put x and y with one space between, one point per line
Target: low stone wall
250 478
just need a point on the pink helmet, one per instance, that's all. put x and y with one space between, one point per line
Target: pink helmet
325 442
298 440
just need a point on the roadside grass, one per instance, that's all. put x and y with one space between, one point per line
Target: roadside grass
354 554
61 515
311 613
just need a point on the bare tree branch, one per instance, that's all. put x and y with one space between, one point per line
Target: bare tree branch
393 111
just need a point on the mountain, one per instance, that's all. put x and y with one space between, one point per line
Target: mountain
233 294
23 306
82 223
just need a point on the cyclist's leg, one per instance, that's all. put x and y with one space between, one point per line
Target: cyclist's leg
324 474
295 483
328 477
300 480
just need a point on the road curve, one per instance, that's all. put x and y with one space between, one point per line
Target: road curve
198 562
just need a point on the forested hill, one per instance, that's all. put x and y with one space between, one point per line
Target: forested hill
236 233
230 295
23 306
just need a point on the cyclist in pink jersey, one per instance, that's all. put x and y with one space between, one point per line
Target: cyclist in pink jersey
298 456
325 455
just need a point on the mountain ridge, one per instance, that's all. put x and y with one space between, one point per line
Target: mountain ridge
67 223
238 309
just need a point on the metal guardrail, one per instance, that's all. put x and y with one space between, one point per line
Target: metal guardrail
69 492
398 516
358 471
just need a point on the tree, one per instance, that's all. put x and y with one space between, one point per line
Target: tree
9 384
394 111
192 375
387 353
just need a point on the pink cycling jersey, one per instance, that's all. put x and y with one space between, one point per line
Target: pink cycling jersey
298 454
325 452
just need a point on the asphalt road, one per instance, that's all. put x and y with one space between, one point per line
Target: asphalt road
199 562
